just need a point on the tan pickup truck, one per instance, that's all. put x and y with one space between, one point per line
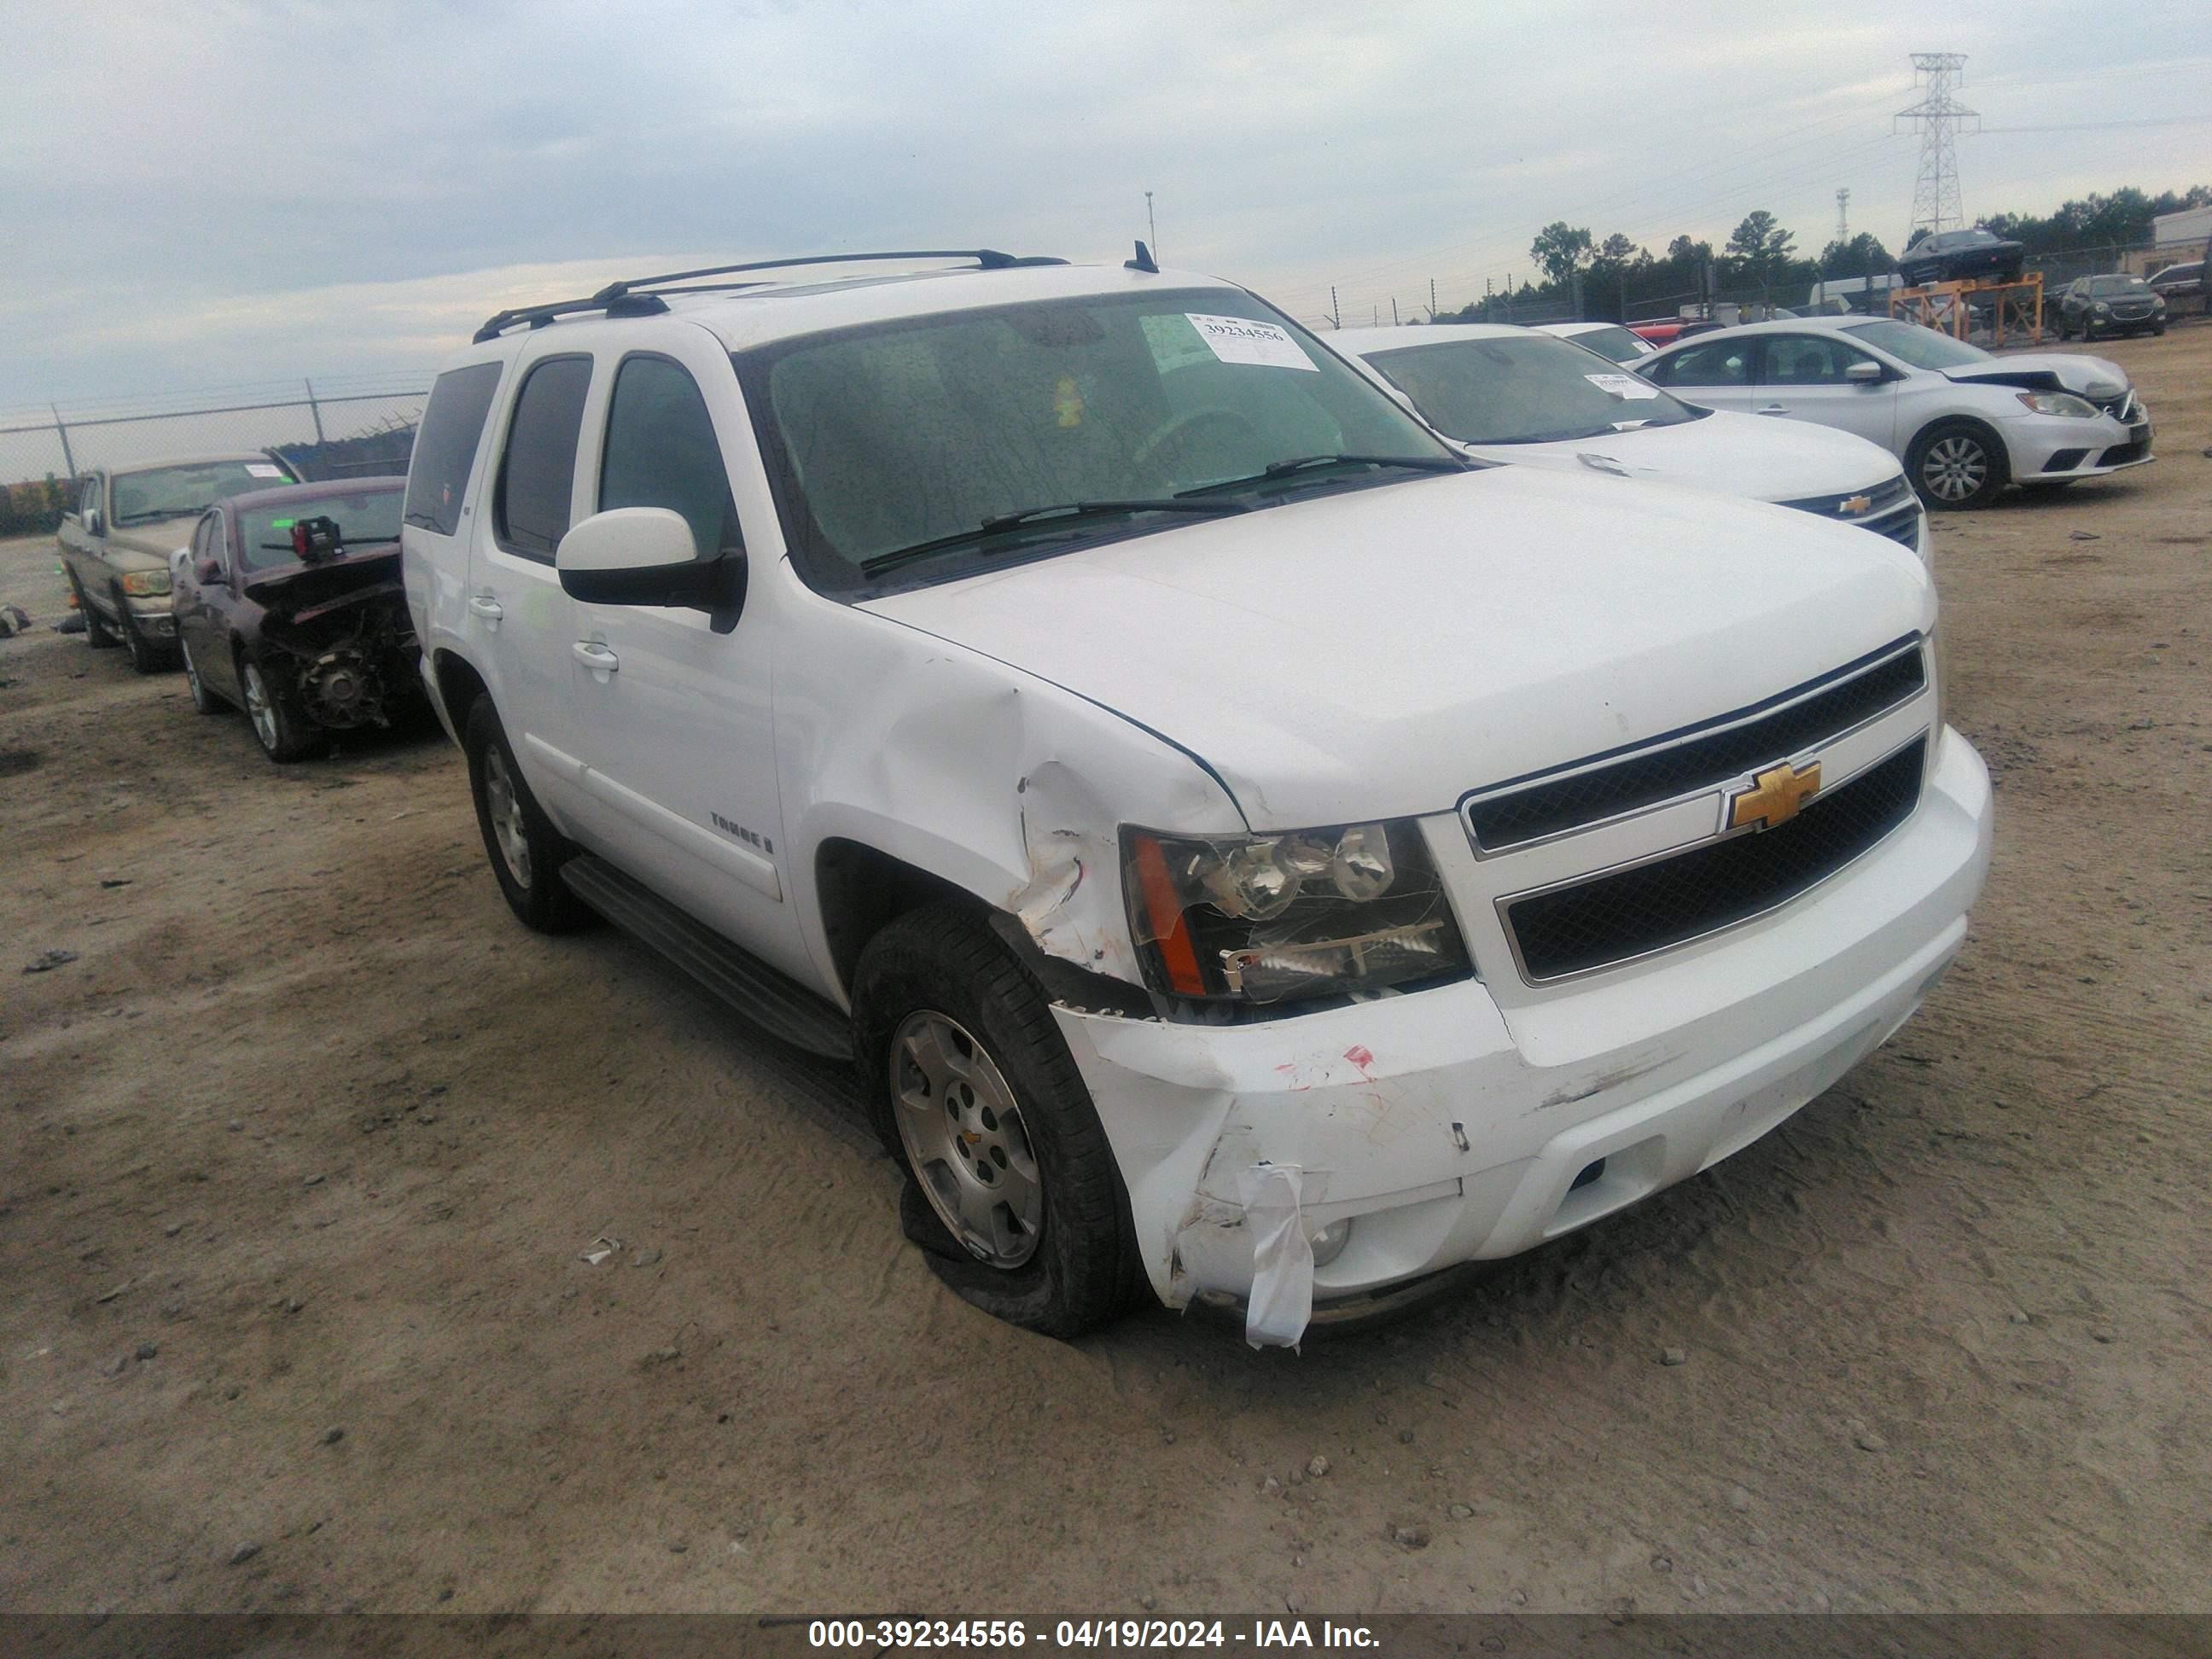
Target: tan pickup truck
115 548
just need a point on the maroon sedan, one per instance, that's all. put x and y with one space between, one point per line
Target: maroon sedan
288 605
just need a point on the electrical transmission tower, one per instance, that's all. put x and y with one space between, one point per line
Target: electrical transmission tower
1938 114
1843 215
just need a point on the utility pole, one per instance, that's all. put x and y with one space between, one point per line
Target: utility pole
1394 311
68 461
314 409
1334 321
1152 225
1935 202
1433 298
1843 215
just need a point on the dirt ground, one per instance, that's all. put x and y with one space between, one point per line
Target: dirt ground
299 1157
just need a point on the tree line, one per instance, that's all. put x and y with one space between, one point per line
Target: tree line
1761 260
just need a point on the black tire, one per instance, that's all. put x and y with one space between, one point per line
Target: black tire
146 656
97 634
943 961
204 701
529 871
1957 465
280 725
2159 329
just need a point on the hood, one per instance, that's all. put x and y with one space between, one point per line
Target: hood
2048 371
1758 456
1380 652
150 540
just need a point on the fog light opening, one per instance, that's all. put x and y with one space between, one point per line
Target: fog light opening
1328 1244
1590 1172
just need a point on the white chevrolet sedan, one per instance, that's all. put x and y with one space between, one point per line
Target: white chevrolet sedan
1524 397
1965 424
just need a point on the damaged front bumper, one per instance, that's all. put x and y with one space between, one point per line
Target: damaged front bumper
1411 1133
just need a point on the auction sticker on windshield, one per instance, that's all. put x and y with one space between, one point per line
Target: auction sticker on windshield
1241 340
1623 386
263 470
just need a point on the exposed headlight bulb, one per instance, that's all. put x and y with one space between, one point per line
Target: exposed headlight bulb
1361 869
1255 883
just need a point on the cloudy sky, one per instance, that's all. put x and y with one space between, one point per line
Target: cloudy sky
213 193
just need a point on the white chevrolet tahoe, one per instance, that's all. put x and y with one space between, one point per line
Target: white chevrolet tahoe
1247 849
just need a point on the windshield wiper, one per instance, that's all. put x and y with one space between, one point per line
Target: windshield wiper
1051 517
1308 463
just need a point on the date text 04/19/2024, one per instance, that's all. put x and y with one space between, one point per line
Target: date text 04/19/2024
1087 1633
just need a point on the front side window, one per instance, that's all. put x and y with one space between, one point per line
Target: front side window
1716 362
1923 348
661 452
1525 389
1809 360
445 445
893 444
363 516
537 474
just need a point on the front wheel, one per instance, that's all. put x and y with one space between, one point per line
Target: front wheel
527 852
1014 1192
282 731
204 701
146 656
97 634
1956 465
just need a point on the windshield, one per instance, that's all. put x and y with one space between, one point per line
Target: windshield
1613 340
889 436
2104 287
1524 389
1923 348
176 492
363 516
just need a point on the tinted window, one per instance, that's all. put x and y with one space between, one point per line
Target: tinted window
1717 362
1523 388
446 447
537 476
661 452
265 535
1808 359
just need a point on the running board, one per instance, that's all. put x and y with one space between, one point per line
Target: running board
776 1003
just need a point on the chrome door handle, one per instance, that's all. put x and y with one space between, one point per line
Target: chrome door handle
1772 409
486 606
596 657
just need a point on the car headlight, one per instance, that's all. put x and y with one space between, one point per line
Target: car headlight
146 584
2158 303
2058 403
1275 918
2101 309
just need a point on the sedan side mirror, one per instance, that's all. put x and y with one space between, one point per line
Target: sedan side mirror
1864 373
647 556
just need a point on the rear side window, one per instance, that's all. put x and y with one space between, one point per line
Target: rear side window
446 447
537 476
661 452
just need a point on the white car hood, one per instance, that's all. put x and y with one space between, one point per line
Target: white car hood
2075 371
1378 654
1753 455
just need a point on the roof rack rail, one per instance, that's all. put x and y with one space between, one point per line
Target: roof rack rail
633 297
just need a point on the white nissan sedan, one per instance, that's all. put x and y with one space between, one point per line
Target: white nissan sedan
1965 424
1517 395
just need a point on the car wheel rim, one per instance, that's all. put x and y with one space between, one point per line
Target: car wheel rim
1955 469
504 804
965 1139
259 709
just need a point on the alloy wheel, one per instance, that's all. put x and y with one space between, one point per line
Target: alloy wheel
503 802
259 708
1955 468
965 1139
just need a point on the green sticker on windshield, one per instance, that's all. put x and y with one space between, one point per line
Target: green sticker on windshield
281 524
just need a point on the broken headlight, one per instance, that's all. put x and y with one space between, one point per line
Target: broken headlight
1277 918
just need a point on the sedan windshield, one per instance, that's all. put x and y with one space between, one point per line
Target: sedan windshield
932 444
363 516
1524 389
1923 348
176 492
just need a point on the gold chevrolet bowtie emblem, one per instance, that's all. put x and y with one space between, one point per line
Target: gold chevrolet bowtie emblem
1775 796
1851 506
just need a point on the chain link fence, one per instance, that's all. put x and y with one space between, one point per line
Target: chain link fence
360 426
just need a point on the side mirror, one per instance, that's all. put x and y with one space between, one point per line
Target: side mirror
92 525
1864 374
178 557
207 573
645 556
